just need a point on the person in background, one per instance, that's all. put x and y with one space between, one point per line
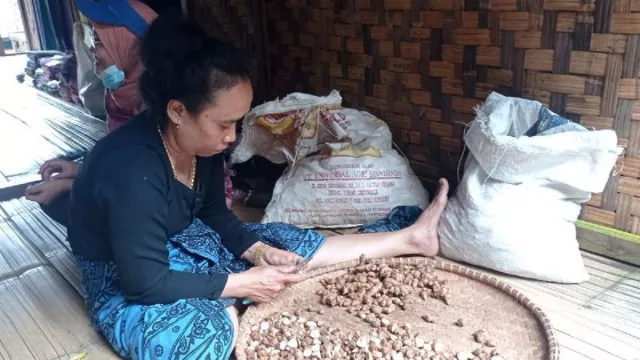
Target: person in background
118 65
162 258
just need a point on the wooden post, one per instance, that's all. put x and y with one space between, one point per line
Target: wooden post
29 24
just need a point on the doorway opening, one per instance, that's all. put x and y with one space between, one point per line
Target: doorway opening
13 36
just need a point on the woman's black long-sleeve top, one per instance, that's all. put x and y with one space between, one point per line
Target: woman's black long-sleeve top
126 203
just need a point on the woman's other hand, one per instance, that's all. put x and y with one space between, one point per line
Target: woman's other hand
271 256
44 192
277 257
62 169
261 283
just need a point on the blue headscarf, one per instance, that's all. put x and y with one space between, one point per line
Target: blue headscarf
114 12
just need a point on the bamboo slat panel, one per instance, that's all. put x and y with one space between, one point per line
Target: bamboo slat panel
240 22
423 65
44 318
35 127
41 305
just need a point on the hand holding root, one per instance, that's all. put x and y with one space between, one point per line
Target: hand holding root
276 257
262 283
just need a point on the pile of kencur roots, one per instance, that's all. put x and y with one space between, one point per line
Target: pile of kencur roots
372 292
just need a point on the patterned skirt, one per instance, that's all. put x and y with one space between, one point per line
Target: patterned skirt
197 328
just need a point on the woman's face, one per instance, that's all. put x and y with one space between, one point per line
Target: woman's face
212 130
101 57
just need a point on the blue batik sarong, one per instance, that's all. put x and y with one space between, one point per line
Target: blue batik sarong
193 329
549 123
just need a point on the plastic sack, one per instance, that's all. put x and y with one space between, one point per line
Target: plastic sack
527 173
343 170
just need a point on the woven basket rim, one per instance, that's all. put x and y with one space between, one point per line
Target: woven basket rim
541 316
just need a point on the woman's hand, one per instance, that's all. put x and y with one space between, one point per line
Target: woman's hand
261 283
272 256
277 257
62 169
44 192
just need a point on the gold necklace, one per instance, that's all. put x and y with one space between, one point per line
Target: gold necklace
173 169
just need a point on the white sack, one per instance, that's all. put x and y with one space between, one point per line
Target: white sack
343 170
301 123
515 207
342 191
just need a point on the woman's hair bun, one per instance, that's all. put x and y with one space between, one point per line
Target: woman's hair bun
183 63
170 40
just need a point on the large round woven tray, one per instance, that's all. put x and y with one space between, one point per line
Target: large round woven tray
518 326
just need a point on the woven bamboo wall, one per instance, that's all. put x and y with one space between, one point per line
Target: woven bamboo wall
422 65
240 22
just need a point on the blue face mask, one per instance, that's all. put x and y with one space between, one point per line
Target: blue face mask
112 77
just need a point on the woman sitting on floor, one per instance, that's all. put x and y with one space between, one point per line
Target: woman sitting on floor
163 260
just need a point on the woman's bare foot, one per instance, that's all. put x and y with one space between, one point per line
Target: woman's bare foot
424 233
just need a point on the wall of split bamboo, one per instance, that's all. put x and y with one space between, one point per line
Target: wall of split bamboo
422 65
